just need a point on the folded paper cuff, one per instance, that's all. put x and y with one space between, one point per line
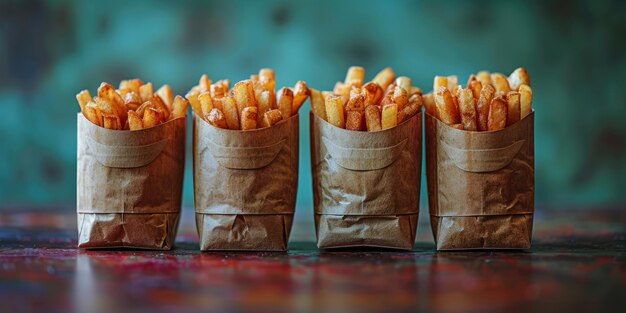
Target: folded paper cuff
482 160
245 157
125 156
364 159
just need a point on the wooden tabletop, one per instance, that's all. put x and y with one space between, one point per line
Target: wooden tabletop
577 262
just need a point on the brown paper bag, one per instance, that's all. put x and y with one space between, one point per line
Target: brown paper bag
245 183
129 185
481 185
366 185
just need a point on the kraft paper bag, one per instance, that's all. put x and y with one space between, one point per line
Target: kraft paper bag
366 185
481 185
245 183
129 185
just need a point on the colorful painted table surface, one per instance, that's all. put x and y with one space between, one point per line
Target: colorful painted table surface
578 262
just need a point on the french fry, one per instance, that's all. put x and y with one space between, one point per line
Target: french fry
482 107
519 77
400 96
404 82
458 126
447 110
415 90
160 106
267 73
373 93
152 117
476 86
453 82
132 100
484 77
196 106
430 105
146 92
497 114
356 103
317 104
105 106
389 116
384 78
411 108
93 114
271 117
355 120
134 120
342 90
438 82
230 112
132 84
355 76
467 107
264 103
206 103
108 93
526 100
372 118
225 83
513 107
142 108
216 118
179 107
501 83
111 121
285 102
83 98
166 94
218 91
243 92
249 117
205 83
334 111
300 94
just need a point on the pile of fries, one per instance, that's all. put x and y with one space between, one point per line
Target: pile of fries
251 104
132 106
379 104
489 101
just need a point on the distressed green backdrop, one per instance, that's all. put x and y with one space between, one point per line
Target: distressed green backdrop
574 51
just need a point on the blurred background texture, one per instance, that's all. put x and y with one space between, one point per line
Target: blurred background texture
574 51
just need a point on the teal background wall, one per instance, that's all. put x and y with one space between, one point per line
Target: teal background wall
574 51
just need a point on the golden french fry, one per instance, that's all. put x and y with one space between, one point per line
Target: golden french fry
497 114
354 120
123 92
513 107
373 93
134 121
519 77
146 92
400 96
218 91
105 106
108 93
476 86
204 83
243 92
317 104
501 83
264 104
446 108
271 117
526 100
254 78
410 108
132 100
166 94
482 107
152 117
93 114
467 108
249 117
438 82
196 106
389 116
484 77
300 94
372 118
453 82
356 103
225 83
458 126
342 90
267 73
216 118
111 121
404 82
415 90
83 98
285 102
132 84
384 78
355 76
160 106
230 112
179 107
206 103
430 105
334 111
